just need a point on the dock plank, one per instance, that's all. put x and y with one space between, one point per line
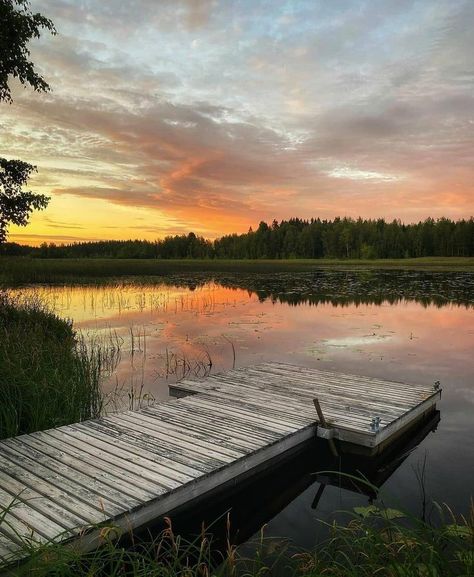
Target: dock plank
39 460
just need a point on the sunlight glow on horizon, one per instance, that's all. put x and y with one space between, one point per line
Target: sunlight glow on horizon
210 117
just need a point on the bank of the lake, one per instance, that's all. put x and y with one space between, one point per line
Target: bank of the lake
26 270
49 376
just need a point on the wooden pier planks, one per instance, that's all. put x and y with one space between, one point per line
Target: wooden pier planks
132 467
349 402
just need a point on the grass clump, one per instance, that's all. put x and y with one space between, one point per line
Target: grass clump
374 541
386 542
48 375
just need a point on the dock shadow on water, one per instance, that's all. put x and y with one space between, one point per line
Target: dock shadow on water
238 514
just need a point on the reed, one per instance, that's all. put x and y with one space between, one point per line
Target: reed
180 366
49 374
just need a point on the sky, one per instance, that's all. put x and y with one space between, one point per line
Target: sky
167 116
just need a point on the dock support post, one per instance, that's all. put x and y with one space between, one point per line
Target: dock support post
318 496
322 420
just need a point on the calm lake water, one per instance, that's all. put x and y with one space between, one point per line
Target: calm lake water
416 327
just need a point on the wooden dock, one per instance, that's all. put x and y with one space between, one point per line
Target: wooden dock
130 468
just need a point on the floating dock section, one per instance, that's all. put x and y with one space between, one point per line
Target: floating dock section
131 468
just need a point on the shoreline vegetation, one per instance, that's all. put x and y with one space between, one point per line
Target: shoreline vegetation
373 540
49 375
27 270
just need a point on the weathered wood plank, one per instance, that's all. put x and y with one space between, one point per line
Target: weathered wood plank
168 469
288 405
260 429
277 423
183 437
350 419
145 445
367 383
113 458
232 437
298 383
96 466
75 513
8 549
180 454
17 509
64 472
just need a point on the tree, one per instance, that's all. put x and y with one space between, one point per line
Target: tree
18 25
16 204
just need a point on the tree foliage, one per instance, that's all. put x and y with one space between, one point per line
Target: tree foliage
18 25
295 238
16 204
350 238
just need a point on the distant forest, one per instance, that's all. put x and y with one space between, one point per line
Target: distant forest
295 238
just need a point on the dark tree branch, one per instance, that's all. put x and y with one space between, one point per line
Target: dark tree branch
18 25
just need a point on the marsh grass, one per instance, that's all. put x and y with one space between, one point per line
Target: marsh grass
24 270
181 366
49 374
385 541
373 541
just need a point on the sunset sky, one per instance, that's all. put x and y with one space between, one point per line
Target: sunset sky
167 116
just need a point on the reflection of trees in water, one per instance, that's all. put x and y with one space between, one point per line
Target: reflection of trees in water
346 287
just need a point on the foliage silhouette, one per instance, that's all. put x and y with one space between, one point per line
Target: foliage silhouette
341 238
16 204
18 26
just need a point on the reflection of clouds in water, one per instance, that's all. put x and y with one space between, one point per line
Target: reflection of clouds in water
356 341
342 333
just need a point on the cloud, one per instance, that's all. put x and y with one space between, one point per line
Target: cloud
355 174
215 116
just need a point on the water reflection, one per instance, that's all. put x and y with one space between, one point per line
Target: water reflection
354 287
345 320
416 327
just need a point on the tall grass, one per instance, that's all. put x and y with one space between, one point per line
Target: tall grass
49 376
384 541
373 542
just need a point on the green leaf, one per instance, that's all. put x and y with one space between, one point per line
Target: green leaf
391 514
462 531
369 511
373 511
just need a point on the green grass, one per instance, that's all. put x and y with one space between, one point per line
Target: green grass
23 270
373 541
48 376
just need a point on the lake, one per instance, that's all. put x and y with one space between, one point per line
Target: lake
405 325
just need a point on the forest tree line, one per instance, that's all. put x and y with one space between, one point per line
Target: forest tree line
294 238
